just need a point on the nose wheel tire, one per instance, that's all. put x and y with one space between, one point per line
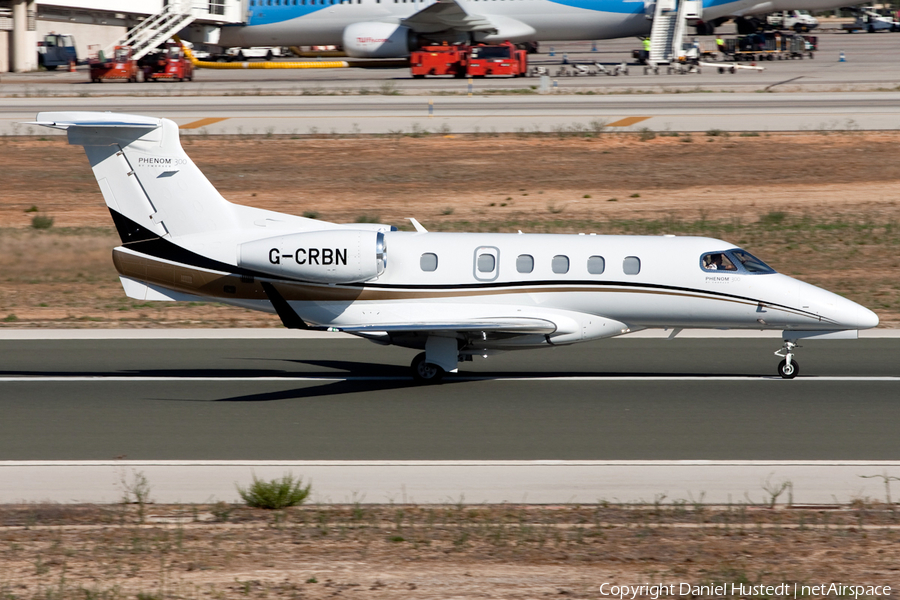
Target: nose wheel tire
788 371
425 372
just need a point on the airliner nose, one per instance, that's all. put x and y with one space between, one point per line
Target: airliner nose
865 318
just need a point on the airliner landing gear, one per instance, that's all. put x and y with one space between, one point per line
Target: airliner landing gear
788 368
425 372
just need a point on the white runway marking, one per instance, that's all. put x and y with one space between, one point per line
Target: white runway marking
443 482
549 378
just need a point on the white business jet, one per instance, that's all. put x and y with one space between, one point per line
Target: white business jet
453 295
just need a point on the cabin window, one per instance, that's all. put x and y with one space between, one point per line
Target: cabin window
525 263
560 264
631 265
428 262
596 265
486 263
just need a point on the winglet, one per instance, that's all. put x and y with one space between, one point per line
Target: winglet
418 226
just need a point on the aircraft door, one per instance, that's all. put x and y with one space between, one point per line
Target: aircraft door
649 8
487 263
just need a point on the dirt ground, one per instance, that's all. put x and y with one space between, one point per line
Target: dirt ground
438 553
821 206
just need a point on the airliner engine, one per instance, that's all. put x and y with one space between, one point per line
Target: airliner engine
378 40
334 256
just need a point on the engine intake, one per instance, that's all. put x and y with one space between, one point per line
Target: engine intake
334 256
378 40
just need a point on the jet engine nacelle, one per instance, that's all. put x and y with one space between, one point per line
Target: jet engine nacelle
333 256
378 40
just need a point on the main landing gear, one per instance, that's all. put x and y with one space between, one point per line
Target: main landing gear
426 372
788 368
441 356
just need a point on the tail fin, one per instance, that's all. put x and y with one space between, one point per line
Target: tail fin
148 182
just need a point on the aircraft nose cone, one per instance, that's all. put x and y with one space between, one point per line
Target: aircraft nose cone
865 318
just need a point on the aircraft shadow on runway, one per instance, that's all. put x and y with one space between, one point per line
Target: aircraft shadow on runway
351 378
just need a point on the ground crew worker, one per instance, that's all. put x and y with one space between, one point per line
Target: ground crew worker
646 51
720 44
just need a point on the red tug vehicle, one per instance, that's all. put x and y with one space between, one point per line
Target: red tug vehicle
502 59
120 66
469 61
169 62
439 60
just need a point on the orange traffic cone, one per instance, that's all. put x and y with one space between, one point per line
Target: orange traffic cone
71 66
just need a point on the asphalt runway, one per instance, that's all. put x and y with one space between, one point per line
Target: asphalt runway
861 93
395 114
323 399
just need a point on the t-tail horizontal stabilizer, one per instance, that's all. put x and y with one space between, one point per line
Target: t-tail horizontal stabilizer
144 174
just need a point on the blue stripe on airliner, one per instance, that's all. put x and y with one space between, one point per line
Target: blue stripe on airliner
261 13
623 6
265 12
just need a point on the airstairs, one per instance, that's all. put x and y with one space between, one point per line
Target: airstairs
156 29
670 19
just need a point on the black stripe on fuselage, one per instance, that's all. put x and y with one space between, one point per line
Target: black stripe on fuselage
549 282
140 239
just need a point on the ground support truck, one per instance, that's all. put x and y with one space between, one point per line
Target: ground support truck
439 60
771 46
57 50
169 63
470 61
120 67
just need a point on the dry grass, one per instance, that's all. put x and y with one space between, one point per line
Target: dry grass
807 203
435 552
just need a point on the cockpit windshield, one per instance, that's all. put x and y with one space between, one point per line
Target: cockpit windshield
734 260
750 262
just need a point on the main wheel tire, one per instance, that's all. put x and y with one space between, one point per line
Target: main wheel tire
786 371
425 372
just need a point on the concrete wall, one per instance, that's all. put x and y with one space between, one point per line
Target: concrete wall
85 34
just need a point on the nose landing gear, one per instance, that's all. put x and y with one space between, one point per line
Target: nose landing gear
788 368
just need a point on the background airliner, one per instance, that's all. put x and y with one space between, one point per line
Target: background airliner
391 28
453 295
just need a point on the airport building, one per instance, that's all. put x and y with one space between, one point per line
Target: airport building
99 24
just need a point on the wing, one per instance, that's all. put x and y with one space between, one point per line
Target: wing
510 325
447 14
